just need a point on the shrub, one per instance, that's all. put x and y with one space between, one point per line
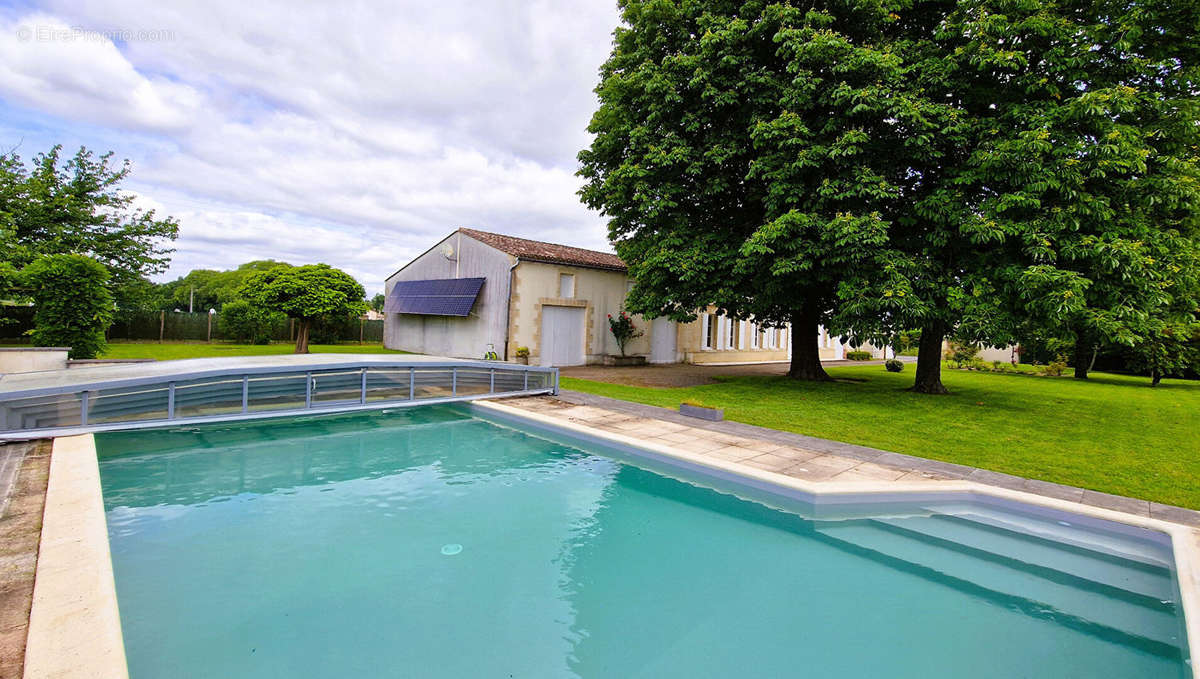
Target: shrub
623 330
1056 367
72 304
894 365
522 352
858 355
246 322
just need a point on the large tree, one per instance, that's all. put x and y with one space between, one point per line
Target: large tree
306 293
77 206
730 158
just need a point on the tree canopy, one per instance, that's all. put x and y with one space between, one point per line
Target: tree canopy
305 293
970 167
77 206
203 289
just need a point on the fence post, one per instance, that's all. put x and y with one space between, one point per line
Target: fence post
209 327
412 378
245 393
170 400
308 384
83 408
162 323
454 381
362 399
360 330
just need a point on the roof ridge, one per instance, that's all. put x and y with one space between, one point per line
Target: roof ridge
538 250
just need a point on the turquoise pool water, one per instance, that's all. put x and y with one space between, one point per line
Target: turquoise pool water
432 543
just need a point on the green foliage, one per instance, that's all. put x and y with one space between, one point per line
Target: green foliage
894 365
858 356
72 301
306 293
1056 367
245 322
623 330
56 206
208 289
377 302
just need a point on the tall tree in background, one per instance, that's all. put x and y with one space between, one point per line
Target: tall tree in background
77 206
306 293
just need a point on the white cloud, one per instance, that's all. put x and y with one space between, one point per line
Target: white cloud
48 65
348 133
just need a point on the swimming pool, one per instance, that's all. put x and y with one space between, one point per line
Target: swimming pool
442 542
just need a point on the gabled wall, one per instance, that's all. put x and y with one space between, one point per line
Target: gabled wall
598 291
460 337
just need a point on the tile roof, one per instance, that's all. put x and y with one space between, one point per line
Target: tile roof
536 250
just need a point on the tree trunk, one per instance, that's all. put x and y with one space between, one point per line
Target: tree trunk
1080 358
302 337
929 360
1155 377
806 352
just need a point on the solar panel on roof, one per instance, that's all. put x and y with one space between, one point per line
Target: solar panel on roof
443 297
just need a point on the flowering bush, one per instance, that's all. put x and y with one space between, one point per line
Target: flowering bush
623 329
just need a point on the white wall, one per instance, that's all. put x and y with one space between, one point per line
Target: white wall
461 337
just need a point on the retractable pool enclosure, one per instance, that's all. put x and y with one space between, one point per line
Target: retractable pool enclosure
200 390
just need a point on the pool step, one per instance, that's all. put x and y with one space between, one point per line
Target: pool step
1025 576
1070 561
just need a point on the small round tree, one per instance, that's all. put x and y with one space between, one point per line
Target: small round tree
72 304
305 293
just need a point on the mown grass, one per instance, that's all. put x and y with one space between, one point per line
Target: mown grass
1111 433
165 351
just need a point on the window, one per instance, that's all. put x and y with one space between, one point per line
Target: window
754 335
566 285
709 331
730 332
769 339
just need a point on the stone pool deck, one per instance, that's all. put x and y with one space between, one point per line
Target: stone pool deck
809 458
24 471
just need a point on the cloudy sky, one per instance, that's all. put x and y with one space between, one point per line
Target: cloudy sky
350 133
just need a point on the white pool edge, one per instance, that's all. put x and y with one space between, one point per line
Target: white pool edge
1185 540
74 623
75 626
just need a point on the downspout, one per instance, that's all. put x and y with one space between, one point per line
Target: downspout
508 306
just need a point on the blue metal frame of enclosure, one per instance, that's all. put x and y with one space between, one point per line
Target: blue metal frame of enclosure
236 393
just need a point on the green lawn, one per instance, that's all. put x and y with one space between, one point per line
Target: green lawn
1111 433
172 350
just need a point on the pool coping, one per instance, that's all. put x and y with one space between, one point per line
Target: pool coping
74 623
1184 539
75 627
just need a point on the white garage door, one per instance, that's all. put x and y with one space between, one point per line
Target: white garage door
562 335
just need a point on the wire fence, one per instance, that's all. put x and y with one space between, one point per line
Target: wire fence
167 326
